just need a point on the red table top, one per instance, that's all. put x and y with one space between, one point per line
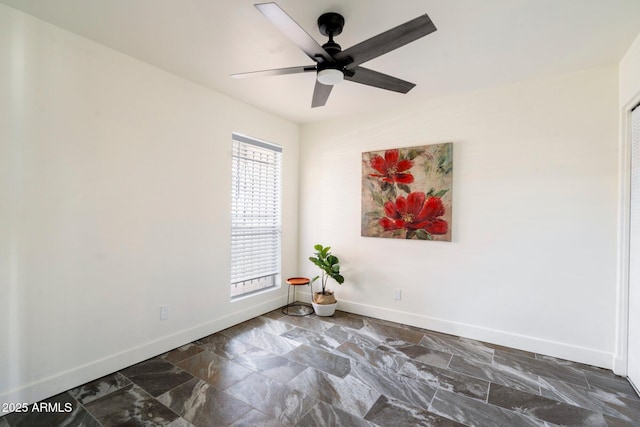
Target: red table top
295 281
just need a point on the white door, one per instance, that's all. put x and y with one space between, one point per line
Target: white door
634 255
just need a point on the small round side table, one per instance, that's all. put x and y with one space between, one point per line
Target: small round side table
304 309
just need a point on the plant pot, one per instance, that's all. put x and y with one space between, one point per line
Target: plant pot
324 310
324 304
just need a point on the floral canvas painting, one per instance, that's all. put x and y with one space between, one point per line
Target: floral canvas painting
406 192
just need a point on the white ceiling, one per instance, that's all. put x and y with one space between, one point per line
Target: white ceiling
478 44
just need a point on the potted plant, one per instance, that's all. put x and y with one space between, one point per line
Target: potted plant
324 302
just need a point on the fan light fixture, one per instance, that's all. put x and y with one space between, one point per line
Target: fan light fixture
330 76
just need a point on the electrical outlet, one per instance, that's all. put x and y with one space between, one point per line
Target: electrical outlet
164 312
397 294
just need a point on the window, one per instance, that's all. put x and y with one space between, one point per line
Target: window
256 231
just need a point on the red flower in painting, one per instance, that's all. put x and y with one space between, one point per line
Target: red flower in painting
391 169
416 212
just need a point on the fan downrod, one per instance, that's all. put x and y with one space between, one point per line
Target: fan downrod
331 24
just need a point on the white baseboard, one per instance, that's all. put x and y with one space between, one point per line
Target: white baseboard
47 387
620 366
495 336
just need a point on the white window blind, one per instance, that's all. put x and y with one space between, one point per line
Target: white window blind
255 215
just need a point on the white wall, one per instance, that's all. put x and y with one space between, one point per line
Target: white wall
114 193
629 72
532 263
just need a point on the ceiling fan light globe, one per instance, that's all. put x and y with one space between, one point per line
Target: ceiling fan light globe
330 76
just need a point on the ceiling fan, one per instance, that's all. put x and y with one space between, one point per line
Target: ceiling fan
334 64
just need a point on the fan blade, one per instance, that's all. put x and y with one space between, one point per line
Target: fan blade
369 77
320 94
293 31
274 72
387 41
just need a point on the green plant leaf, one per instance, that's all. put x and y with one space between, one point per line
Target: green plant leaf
413 153
405 188
445 159
374 215
392 192
424 235
329 265
431 192
378 199
441 193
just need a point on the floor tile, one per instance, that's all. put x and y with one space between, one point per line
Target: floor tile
270 365
473 412
349 394
576 365
282 402
490 348
156 375
344 370
393 332
267 325
542 368
380 359
617 422
181 353
346 320
416 352
596 400
311 323
325 361
446 379
100 387
543 408
368 319
223 345
389 412
298 309
312 338
203 404
130 405
255 418
267 341
343 334
276 314
500 348
180 422
613 384
496 373
395 386
214 369
456 346
323 415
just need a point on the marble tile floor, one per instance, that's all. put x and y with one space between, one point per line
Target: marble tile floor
345 370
